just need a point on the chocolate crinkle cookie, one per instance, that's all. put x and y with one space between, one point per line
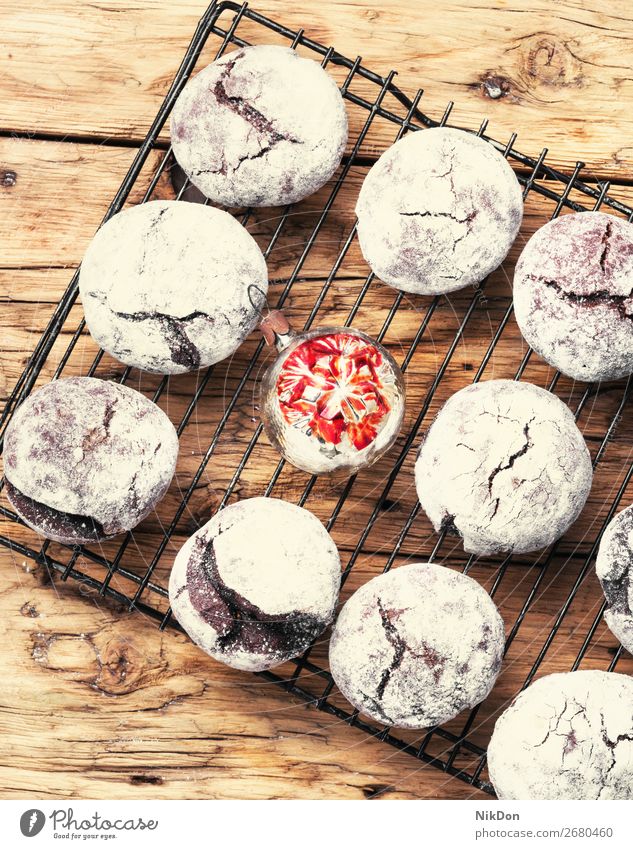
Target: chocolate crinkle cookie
614 567
573 295
567 736
257 584
170 286
438 211
503 466
86 459
417 645
261 126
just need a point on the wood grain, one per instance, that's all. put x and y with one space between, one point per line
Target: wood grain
558 73
97 703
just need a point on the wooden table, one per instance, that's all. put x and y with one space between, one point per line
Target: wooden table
95 702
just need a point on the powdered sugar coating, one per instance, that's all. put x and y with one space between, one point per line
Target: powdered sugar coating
171 286
567 736
257 584
504 466
614 567
573 295
438 211
91 450
261 126
417 645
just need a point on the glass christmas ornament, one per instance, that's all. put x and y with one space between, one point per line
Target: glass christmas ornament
332 400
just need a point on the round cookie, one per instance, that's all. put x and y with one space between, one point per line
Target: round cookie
170 286
86 459
416 646
614 567
257 584
261 126
438 211
504 466
567 736
573 295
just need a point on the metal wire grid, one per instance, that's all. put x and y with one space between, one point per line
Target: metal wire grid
535 176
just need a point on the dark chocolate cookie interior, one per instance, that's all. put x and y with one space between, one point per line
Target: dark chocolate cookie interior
241 625
64 527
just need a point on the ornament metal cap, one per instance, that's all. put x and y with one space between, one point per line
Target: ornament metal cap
276 329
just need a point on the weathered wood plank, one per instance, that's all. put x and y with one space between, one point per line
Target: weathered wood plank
559 74
98 703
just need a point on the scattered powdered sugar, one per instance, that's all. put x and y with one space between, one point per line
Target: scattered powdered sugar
504 466
171 286
262 126
257 584
93 449
614 567
567 736
417 645
573 295
438 211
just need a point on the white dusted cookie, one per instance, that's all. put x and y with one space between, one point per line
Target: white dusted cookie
171 286
614 567
417 645
261 126
567 736
504 466
438 211
257 584
86 459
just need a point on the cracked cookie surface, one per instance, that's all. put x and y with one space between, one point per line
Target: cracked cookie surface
86 459
257 584
438 211
573 295
171 286
567 736
614 567
417 645
261 126
504 466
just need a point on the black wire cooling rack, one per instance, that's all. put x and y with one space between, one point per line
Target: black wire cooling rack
538 598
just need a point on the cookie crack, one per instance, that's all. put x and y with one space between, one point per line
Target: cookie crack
448 525
152 230
606 239
133 493
262 125
427 214
91 528
376 707
399 646
616 591
601 297
512 458
569 736
612 746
